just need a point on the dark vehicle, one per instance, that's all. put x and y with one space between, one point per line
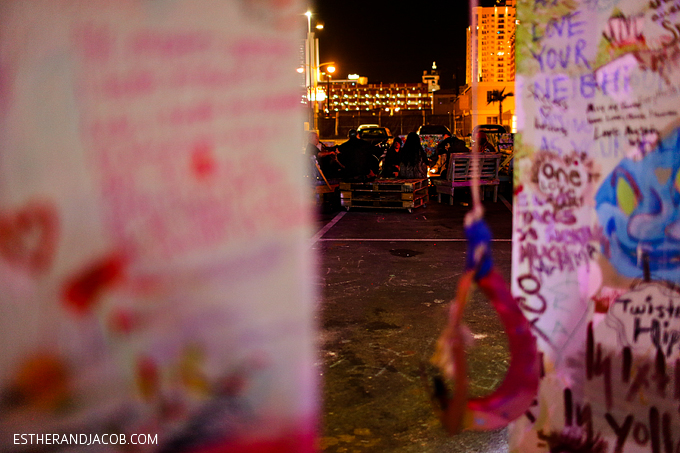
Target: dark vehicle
489 128
376 135
433 129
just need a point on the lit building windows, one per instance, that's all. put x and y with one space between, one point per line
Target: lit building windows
371 97
493 23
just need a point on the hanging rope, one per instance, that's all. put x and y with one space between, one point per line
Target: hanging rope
518 390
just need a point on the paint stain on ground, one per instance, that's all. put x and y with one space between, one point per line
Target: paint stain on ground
405 253
379 325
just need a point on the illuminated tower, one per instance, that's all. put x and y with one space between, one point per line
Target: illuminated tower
490 65
491 49
431 77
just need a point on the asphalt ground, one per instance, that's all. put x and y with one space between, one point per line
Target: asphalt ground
385 279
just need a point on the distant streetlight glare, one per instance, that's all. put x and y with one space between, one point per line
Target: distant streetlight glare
309 21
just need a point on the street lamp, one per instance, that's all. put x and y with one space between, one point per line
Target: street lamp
330 64
312 69
309 21
329 70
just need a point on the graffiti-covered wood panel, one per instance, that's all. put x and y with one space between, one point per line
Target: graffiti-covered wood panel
596 245
154 296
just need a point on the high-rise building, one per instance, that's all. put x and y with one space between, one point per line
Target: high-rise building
490 66
491 48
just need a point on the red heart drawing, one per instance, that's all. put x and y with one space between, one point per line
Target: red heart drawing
82 291
28 237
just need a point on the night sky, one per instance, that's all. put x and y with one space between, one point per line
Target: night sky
389 41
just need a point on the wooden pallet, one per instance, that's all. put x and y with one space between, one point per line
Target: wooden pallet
384 204
385 185
385 193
